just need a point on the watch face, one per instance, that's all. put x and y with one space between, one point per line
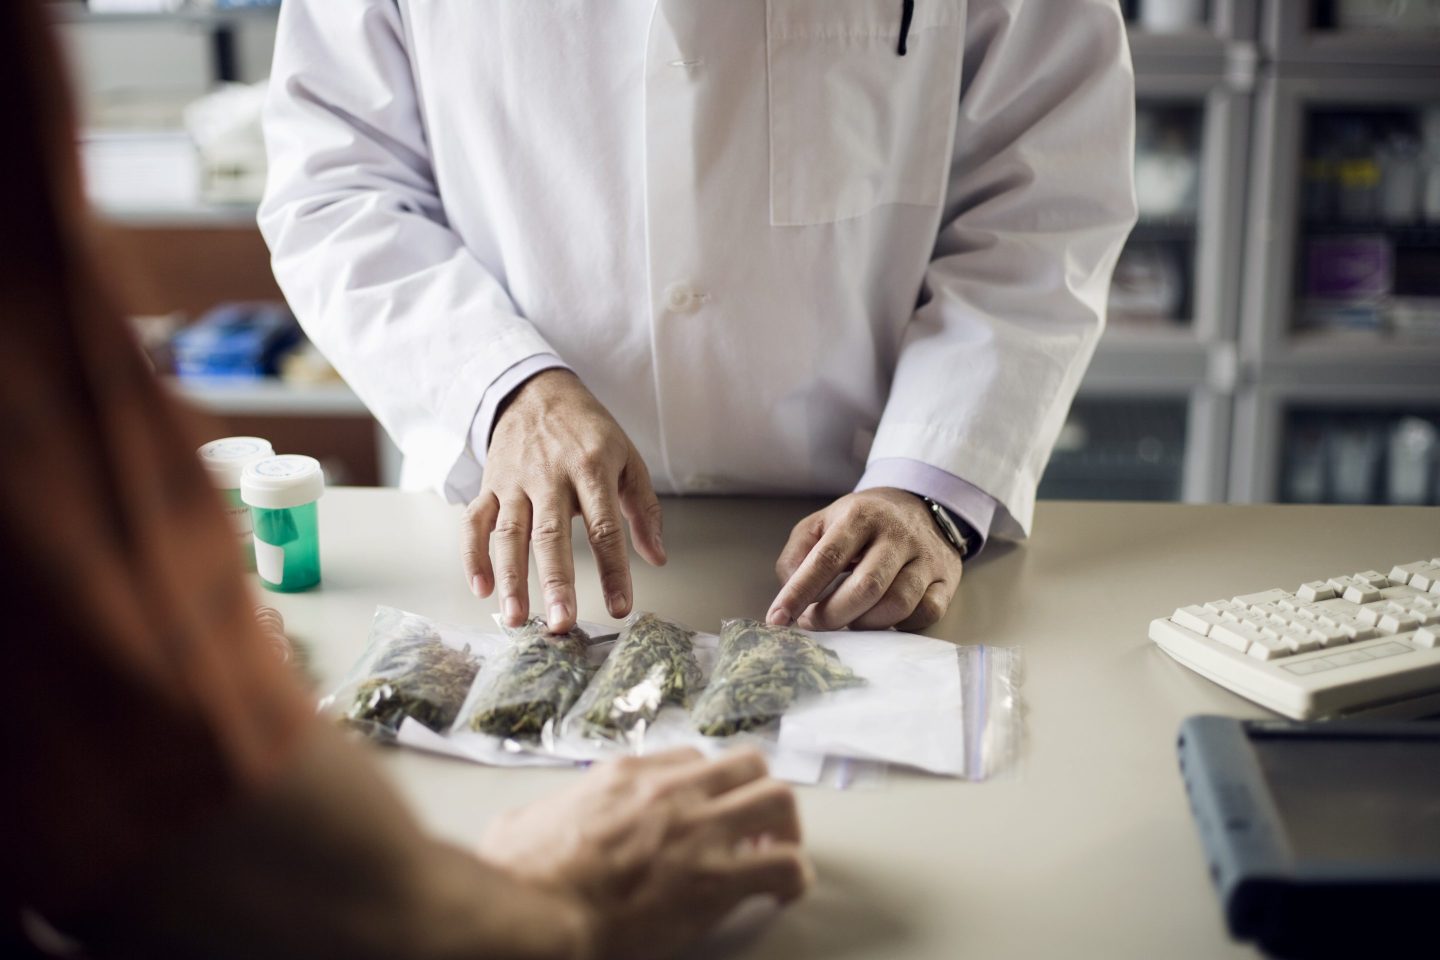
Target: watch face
949 528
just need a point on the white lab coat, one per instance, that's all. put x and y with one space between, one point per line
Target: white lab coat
771 246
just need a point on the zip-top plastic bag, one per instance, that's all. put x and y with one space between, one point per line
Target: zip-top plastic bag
412 668
762 670
653 664
522 693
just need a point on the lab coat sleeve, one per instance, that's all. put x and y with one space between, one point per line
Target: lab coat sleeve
1040 201
361 246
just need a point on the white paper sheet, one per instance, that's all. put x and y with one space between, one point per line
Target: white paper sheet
911 710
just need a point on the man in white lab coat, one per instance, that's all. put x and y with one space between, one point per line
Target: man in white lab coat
572 252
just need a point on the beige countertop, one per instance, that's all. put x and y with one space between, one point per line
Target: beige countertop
1087 850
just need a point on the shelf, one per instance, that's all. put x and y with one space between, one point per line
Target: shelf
1161 229
69 11
1351 357
1133 359
1402 235
270 398
218 216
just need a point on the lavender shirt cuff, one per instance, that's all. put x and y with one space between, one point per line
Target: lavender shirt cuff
496 394
966 501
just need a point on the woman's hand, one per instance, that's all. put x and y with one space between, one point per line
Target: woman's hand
657 850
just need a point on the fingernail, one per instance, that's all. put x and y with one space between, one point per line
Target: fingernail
779 617
475 585
512 610
558 613
615 603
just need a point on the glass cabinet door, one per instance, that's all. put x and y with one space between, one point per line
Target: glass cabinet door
1154 282
1384 455
1119 449
1368 254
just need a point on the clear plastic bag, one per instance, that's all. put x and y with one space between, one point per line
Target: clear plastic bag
762 670
929 705
522 693
651 665
412 668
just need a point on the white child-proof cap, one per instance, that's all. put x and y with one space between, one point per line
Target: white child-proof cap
226 459
279 483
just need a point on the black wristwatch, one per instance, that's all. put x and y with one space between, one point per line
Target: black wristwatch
957 532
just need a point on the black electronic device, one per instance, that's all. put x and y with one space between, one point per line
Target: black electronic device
1323 838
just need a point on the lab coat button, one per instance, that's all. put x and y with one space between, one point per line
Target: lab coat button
682 298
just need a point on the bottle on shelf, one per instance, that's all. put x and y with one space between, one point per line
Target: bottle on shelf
1430 163
1401 180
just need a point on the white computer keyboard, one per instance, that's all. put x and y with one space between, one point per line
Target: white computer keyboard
1366 643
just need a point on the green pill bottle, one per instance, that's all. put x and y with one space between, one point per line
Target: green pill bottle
224 460
281 493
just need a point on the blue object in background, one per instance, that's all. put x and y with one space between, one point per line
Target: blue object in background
236 340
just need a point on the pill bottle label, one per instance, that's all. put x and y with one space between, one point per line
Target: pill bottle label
269 561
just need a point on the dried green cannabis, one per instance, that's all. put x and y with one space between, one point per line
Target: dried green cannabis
760 673
416 676
652 664
537 679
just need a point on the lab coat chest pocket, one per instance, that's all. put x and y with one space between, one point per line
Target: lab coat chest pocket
853 124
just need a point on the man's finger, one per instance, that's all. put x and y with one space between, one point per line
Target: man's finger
600 508
550 536
642 508
899 601
480 519
510 546
802 540
863 589
728 772
780 869
763 808
831 555
932 606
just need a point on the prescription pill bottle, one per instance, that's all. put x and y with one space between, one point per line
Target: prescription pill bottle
225 460
281 493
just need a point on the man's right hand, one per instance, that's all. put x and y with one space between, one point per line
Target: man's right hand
555 452
655 851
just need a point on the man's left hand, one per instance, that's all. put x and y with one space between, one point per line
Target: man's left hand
904 570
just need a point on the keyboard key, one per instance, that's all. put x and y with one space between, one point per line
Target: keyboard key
1371 613
1329 636
1397 623
1400 573
1315 590
1197 618
1355 590
1361 593
1264 596
1237 635
1424 576
1268 648
1307 667
1375 578
1427 637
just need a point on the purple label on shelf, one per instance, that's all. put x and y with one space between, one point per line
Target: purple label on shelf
1349 268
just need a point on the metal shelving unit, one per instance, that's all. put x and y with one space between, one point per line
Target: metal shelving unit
1284 366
